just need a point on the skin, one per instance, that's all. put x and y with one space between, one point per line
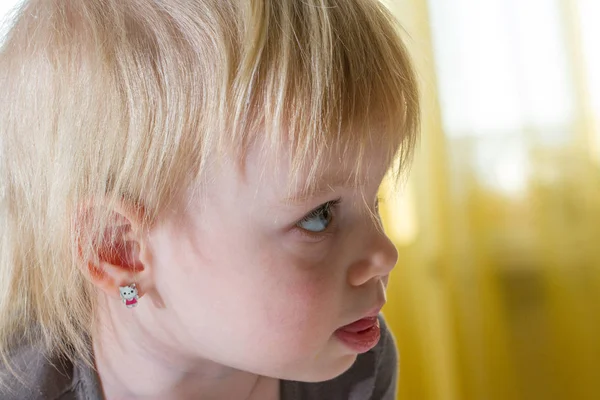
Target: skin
235 293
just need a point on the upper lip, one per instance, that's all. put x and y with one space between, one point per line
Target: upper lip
373 312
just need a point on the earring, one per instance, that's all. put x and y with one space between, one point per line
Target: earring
129 295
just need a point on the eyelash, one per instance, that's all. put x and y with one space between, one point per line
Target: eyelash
331 207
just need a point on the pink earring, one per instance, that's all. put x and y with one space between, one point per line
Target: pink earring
129 295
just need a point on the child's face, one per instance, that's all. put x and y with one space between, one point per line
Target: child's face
245 286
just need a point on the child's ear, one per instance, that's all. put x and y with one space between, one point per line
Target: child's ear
118 254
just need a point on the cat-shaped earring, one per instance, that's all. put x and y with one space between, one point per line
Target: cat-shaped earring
129 295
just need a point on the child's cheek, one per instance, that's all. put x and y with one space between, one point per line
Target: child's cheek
308 306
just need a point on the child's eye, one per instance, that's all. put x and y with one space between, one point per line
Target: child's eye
319 219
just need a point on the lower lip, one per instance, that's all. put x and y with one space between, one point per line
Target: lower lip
361 336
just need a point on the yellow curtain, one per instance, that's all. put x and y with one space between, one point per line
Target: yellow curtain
496 294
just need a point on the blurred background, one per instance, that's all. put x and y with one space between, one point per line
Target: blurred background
497 291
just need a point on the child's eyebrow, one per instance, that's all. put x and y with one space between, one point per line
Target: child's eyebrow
322 188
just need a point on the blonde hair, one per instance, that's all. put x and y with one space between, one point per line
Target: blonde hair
131 99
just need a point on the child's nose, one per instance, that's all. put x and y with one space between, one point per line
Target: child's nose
379 260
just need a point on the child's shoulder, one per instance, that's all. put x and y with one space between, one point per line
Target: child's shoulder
31 374
35 374
373 376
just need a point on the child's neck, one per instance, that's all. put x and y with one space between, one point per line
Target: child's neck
134 366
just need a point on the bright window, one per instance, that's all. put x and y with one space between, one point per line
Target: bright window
504 83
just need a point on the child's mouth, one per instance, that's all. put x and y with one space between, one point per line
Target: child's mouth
362 335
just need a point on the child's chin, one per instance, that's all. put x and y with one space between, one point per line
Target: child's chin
325 371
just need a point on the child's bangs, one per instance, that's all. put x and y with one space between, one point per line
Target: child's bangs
327 78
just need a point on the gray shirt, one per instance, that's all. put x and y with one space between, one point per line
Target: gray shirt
373 376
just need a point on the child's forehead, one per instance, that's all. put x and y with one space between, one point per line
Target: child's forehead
329 168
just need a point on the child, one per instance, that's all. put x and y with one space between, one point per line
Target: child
220 157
